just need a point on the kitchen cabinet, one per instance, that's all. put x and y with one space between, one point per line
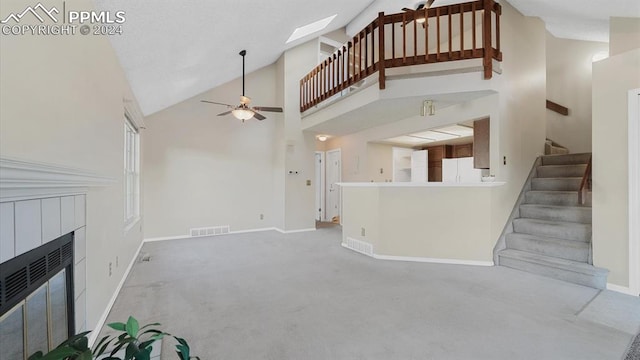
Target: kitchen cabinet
481 143
460 170
463 150
419 166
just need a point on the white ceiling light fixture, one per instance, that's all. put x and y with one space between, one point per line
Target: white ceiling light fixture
309 29
322 137
242 114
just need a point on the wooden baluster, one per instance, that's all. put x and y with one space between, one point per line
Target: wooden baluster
393 38
461 32
450 8
473 25
415 36
438 33
381 57
334 78
498 31
426 35
404 38
486 39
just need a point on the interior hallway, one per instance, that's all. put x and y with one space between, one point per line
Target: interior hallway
268 295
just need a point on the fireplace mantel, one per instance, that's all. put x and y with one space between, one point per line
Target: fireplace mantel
23 180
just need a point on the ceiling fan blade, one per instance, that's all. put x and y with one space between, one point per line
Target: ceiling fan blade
429 3
213 102
258 116
268 108
225 113
406 9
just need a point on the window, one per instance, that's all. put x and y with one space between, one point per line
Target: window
131 173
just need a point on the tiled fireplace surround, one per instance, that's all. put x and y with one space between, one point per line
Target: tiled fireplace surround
40 202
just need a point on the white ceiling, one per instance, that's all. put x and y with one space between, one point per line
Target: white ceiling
173 50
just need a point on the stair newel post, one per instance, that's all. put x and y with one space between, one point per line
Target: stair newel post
381 56
486 39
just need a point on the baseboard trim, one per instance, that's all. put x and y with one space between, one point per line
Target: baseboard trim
183 237
425 260
96 331
621 289
434 260
293 231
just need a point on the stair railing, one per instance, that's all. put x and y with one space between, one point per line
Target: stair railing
585 184
405 39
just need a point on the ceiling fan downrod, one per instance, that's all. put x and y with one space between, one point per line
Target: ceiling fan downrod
243 53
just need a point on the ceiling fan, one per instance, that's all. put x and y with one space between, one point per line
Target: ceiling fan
243 111
420 6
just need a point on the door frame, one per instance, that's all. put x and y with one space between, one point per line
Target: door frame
633 132
320 185
339 151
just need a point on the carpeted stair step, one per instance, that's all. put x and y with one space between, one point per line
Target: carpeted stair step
558 171
555 229
566 159
561 269
578 214
563 198
564 249
556 184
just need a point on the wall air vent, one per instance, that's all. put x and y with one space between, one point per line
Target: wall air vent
359 246
209 231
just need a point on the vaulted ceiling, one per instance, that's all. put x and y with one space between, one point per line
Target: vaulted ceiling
173 50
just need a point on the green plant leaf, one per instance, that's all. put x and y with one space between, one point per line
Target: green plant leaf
37 355
131 351
60 353
101 346
118 326
86 355
73 339
132 327
153 324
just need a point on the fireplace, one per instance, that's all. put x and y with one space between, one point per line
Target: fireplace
36 299
42 254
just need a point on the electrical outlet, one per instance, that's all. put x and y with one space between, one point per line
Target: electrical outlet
362 232
504 160
110 272
308 182
381 171
261 216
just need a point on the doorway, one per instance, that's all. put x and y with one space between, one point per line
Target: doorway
333 170
320 186
634 191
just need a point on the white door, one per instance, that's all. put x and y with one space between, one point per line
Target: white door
334 174
419 169
319 185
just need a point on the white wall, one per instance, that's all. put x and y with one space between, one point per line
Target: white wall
205 170
624 34
62 103
612 79
299 146
569 84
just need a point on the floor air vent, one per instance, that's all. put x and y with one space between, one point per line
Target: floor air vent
360 246
209 231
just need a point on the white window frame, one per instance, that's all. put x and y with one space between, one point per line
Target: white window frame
131 173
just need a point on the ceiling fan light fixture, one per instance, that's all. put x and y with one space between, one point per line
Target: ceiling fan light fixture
421 20
242 114
428 108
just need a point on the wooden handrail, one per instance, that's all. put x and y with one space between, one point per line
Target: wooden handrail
585 184
557 108
368 51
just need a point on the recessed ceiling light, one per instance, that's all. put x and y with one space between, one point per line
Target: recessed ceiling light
310 28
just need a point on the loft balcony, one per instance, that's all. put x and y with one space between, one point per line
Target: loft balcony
460 38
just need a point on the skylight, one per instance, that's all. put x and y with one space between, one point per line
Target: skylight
310 28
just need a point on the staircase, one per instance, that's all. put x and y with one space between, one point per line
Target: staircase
551 230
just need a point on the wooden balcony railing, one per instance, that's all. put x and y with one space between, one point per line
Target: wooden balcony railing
455 32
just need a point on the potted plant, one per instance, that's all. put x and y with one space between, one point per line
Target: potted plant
136 342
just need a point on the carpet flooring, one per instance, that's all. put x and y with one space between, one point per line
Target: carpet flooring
268 295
